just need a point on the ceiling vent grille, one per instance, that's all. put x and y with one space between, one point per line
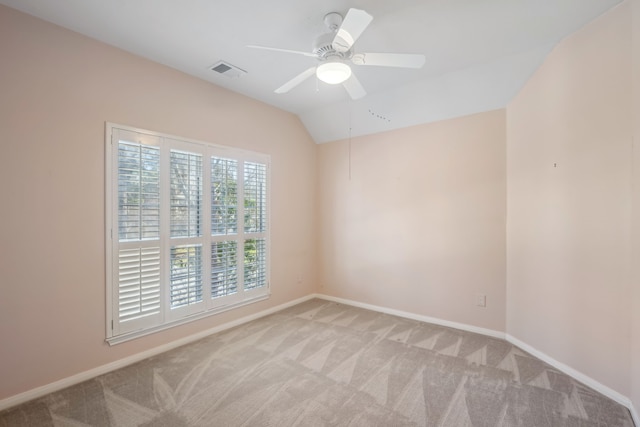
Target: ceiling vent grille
228 70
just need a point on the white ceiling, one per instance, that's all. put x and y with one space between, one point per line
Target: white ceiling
479 52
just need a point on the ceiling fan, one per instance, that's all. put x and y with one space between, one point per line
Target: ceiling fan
335 48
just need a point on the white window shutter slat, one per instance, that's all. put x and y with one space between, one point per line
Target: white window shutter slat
186 194
185 283
255 197
224 268
224 196
138 283
255 263
138 192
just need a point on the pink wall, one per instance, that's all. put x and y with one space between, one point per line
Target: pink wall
420 224
635 355
569 203
57 89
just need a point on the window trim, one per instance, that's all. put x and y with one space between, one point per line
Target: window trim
213 306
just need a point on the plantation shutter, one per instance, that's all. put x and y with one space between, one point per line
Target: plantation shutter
186 266
186 275
224 229
138 192
255 263
137 250
224 196
139 283
224 268
255 197
255 226
186 194
187 230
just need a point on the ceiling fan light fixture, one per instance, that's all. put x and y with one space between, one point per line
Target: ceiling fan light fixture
333 72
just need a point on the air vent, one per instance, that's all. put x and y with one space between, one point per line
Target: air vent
228 70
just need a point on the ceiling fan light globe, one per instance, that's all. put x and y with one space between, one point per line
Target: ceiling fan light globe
333 73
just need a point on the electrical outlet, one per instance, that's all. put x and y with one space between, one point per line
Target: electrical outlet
481 300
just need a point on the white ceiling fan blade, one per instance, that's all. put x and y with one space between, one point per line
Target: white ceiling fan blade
354 88
296 80
405 60
352 27
297 52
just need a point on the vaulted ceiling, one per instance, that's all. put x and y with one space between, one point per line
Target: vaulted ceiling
478 53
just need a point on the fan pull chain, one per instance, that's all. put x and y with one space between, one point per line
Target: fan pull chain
350 112
349 153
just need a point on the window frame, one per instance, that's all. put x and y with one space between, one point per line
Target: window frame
168 318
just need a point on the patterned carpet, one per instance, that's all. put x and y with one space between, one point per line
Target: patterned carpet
325 364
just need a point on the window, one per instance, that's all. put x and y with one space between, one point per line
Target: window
187 230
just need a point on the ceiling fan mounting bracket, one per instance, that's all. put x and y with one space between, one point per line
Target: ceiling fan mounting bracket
333 20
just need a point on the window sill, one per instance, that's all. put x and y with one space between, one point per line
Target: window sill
118 339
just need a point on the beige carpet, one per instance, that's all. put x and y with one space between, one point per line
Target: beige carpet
326 364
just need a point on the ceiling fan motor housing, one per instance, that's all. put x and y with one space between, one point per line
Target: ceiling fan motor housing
323 47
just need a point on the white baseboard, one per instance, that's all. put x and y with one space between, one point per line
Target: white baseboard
413 316
585 379
100 370
634 414
610 393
